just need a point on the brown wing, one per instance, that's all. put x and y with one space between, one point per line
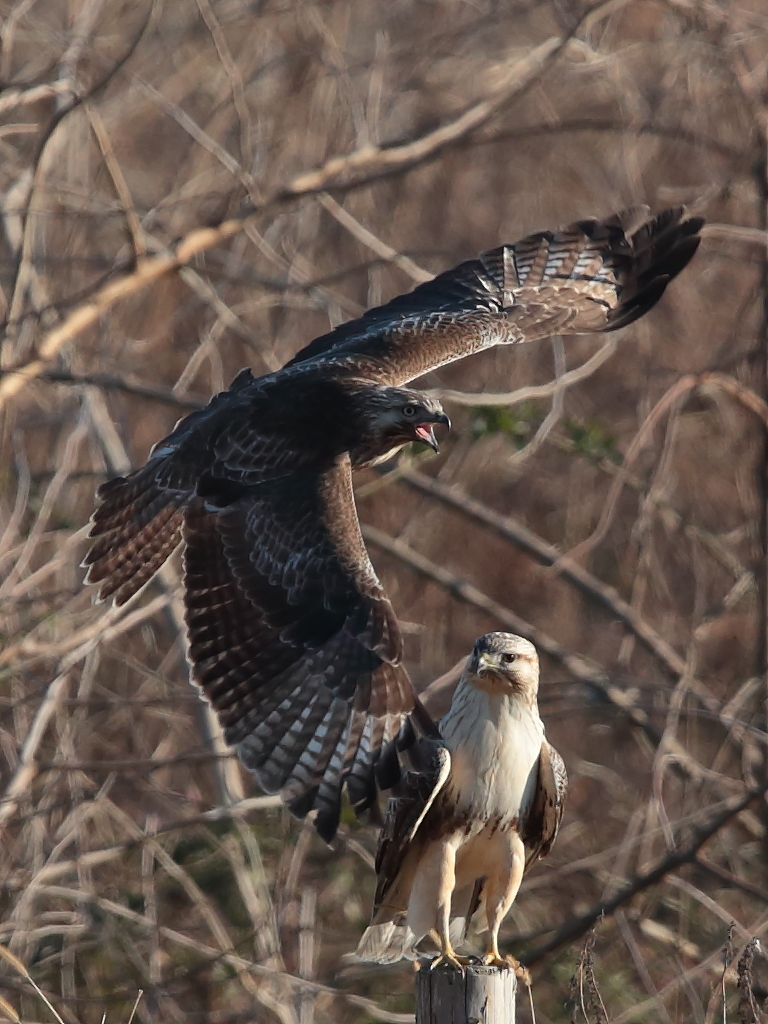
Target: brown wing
590 276
293 640
543 820
414 796
258 430
139 520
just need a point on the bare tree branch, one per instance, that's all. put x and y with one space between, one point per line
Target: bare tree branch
340 173
577 927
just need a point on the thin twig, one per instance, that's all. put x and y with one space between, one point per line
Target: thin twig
578 926
344 173
531 392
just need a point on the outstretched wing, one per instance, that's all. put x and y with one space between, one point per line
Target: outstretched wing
293 640
543 819
590 276
138 522
241 439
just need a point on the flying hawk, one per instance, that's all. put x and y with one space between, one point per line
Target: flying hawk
291 636
480 808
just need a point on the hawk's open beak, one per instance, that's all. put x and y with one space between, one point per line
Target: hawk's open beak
425 432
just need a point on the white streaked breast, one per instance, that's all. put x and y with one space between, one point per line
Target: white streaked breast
495 741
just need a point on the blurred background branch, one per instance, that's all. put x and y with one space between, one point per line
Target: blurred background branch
189 188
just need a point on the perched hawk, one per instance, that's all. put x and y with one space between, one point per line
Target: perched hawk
479 809
291 637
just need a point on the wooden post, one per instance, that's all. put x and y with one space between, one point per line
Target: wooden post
481 995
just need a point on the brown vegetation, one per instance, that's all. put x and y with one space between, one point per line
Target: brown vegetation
616 517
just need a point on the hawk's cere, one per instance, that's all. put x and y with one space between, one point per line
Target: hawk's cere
291 636
477 810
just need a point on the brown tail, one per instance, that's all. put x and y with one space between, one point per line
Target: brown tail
135 528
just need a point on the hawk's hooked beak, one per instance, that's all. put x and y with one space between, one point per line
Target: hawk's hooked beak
486 663
425 431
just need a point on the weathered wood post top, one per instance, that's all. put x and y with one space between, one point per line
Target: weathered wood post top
481 995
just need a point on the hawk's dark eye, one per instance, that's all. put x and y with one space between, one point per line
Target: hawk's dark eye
508 658
409 411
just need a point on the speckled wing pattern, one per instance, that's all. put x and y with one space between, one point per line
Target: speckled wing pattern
293 640
543 820
593 275
219 450
140 518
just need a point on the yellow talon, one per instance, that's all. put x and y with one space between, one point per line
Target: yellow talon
458 962
450 956
495 959
522 972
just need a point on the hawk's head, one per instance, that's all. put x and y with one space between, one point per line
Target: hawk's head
503 662
390 418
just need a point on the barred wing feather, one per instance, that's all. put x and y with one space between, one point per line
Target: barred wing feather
593 275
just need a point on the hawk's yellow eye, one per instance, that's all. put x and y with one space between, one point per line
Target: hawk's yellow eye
409 411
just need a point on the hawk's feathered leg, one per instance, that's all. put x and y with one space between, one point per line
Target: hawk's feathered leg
502 887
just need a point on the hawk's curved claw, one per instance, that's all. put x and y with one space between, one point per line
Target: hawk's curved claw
510 962
449 957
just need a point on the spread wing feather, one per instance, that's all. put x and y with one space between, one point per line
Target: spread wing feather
293 640
589 276
139 520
